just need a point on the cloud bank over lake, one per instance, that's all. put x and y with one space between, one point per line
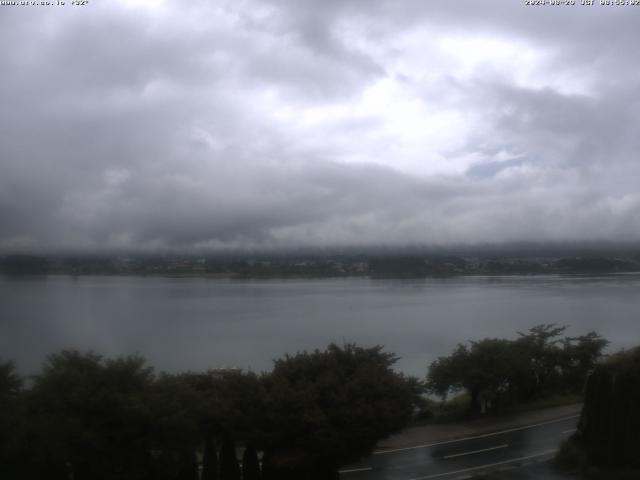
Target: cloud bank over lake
276 123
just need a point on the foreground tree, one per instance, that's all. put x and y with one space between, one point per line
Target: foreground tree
486 371
499 372
11 422
328 407
89 416
609 427
228 402
174 426
96 418
580 357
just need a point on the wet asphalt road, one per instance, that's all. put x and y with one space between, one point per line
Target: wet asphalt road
492 452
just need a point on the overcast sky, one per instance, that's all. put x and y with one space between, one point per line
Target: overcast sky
274 123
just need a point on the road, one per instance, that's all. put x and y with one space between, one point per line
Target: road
465 457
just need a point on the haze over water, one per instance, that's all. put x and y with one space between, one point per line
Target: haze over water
195 324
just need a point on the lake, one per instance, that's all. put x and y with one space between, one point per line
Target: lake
196 323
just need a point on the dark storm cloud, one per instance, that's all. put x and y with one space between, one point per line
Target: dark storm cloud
286 123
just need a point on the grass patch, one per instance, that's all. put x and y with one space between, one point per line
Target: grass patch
434 411
456 409
547 402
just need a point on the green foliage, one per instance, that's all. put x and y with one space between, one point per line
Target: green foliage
415 266
228 401
610 419
456 408
398 267
580 357
446 373
96 418
90 415
11 420
331 406
174 430
101 418
24 265
497 373
595 264
10 383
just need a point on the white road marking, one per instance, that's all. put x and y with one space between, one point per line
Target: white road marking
571 430
354 470
489 465
475 451
485 435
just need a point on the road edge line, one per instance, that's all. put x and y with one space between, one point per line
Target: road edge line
488 465
473 437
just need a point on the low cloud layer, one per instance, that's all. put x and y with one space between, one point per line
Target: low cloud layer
151 124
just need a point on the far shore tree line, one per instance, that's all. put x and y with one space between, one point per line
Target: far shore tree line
389 264
90 417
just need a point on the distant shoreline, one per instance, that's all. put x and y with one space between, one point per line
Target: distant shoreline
234 276
375 266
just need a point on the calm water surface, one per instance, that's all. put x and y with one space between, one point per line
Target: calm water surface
194 323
